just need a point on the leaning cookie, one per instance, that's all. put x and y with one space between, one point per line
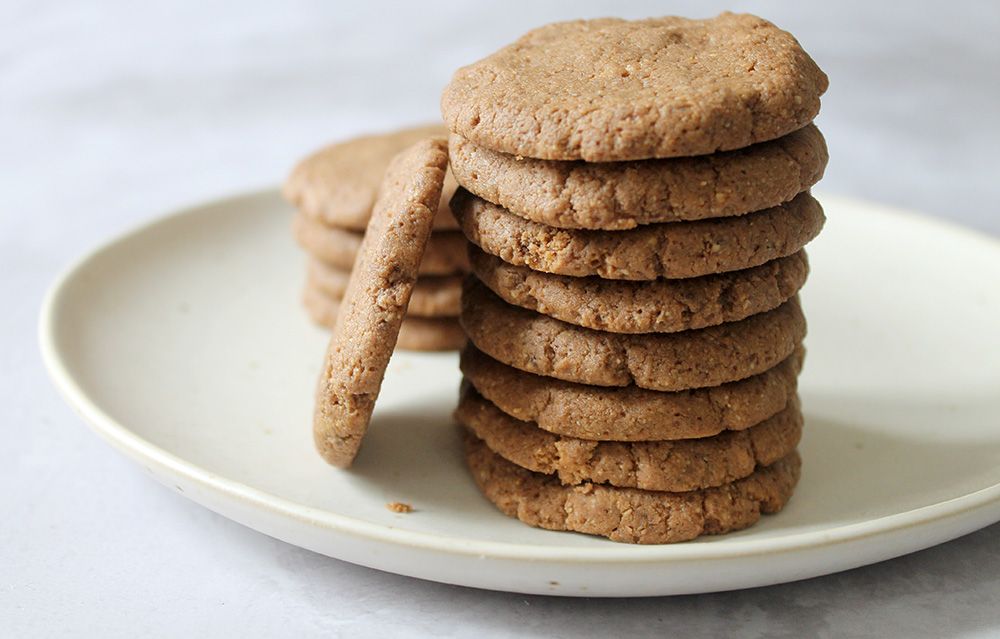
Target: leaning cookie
658 361
433 295
375 302
416 333
669 250
446 252
630 514
686 464
338 184
651 306
610 90
622 195
631 413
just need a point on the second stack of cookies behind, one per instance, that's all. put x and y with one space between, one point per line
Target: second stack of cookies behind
636 196
334 190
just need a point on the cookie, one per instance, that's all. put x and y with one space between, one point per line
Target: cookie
631 413
433 295
376 298
622 195
431 334
332 245
445 253
652 306
630 514
658 361
415 333
436 296
610 90
675 466
669 250
338 184
330 281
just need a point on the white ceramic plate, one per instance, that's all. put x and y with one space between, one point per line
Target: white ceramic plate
184 345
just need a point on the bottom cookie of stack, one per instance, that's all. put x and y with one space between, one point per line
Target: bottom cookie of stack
671 469
630 514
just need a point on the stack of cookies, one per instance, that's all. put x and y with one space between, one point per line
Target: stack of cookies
334 190
636 197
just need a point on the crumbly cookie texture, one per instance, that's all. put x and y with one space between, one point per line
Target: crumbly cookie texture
630 515
433 295
416 333
376 299
338 184
630 413
669 250
445 253
686 464
622 195
653 306
399 507
658 361
610 90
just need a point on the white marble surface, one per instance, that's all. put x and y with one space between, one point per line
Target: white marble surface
112 112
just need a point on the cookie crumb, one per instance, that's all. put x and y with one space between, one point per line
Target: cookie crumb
399 507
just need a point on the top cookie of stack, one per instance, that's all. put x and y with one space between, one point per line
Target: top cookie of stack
612 90
636 195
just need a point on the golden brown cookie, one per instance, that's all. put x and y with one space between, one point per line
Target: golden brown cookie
415 333
621 195
338 184
611 90
686 464
630 514
375 302
669 250
652 306
433 295
658 361
445 254
631 413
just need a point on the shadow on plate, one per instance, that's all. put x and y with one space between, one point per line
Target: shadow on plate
863 458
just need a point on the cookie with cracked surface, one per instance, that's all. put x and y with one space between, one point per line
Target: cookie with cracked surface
622 195
415 333
652 306
610 89
631 413
433 295
669 250
675 466
658 361
375 302
445 254
630 514
338 184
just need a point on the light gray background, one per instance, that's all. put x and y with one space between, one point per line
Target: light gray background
112 112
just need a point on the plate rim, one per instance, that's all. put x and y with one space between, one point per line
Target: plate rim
121 437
